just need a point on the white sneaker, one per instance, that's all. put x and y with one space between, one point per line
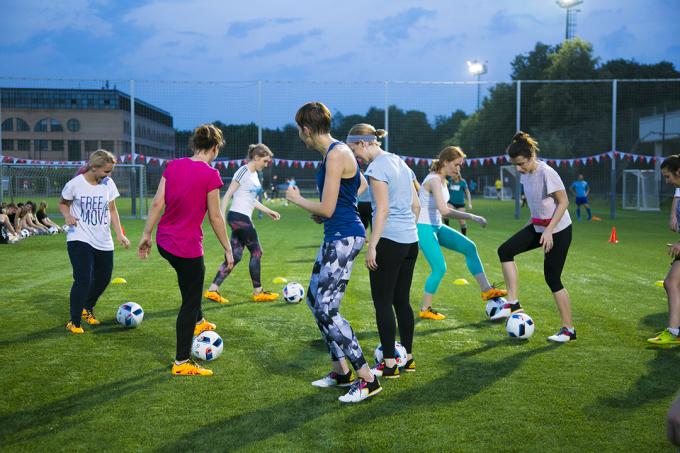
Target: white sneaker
563 336
334 379
361 390
504 310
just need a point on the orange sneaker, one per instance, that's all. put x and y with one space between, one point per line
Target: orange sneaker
73 328
493 292
265 296
215 296
431 314
190 368
203 326
88 316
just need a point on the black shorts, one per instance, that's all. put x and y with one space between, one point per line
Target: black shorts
458 205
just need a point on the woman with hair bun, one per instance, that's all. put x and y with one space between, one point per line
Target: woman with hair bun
433 235
244 188
549 229
393 247
188 188
88 204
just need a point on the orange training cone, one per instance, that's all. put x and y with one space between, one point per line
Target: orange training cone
612 237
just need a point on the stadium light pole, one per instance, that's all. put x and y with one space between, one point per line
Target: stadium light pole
478 69
571 16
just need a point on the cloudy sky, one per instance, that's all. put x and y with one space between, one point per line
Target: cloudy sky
350 40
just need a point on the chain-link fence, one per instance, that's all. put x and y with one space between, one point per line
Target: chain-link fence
597 128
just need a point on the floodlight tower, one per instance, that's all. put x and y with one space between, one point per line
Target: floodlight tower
570 30
477 68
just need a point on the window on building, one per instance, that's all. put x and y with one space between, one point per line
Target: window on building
91 145
23 145
55 125
107 145
7 144
41 126
57 145
74 151
22 125
41 145
8 125
73 125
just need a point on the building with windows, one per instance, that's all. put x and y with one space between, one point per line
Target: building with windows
68 124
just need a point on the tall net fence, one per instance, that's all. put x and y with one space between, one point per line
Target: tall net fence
29 182
597 128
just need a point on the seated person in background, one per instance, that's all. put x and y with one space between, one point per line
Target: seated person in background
41 215
7 233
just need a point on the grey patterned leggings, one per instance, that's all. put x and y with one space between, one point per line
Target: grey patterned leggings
327 285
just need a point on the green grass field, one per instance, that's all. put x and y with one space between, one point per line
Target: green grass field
475 389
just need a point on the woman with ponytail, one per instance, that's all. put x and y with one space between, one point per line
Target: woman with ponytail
188 188
89 209
433 234
244 188
393 247
549 229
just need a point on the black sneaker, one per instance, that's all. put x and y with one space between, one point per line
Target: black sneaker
409 366
382 370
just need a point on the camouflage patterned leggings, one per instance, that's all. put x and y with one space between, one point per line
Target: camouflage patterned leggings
327 285
243 235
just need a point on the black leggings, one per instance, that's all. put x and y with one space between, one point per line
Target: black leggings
190 275
243 234
390 287
92 270
528 239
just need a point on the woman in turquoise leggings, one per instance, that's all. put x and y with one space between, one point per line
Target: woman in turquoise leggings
433 234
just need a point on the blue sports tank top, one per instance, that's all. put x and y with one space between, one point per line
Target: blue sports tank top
345 221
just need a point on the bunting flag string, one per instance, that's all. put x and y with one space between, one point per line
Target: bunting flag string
410 161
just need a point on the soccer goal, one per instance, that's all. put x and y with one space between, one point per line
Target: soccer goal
640 190
24 182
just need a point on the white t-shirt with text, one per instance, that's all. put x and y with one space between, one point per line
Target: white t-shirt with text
90 206
249 188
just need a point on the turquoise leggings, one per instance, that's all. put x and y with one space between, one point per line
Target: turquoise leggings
432 238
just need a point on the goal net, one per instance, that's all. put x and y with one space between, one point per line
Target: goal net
640 190
23 182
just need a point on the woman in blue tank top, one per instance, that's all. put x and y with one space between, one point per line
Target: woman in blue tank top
338 180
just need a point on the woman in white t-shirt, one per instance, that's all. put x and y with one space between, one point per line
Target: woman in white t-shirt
549 229
89 209
244 188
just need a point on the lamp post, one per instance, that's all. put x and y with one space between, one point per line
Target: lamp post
571 16
477 68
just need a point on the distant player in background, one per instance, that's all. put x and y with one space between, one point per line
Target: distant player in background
433 235
42 217
88 204
188 188
550 229
458 194
393 248
581 189
670 169
244 189
499 188
339 181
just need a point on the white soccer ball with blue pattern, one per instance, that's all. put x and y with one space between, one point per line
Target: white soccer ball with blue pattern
65 228
207 345
25 233
400 354
130 314
293 292
520 326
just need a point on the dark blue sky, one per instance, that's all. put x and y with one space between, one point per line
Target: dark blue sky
212 40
